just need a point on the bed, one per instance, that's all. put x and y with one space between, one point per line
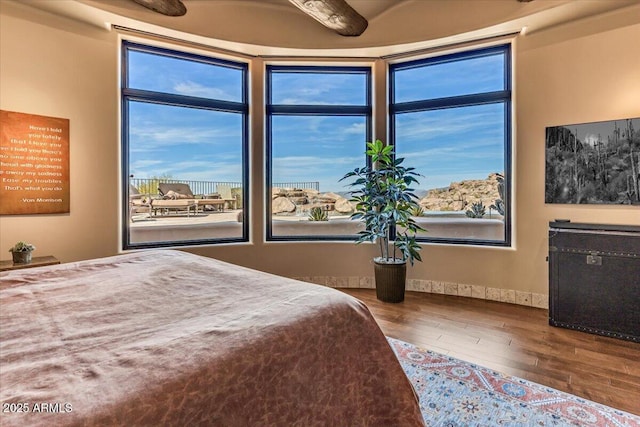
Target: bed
165 337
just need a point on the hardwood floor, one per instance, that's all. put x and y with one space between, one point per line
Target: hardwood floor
515 340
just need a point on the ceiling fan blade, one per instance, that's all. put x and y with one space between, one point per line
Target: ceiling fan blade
334 14
165 7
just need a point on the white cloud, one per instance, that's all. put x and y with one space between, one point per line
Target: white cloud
356 129
145 163
477 148
309 162
153 137
190 88
591 139
221 172
315 89
325 169
432 126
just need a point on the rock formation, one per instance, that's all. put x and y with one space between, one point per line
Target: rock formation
282 204
343 206
289 200
461 195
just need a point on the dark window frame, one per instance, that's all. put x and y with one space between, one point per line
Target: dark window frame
473 99
129 94
272 110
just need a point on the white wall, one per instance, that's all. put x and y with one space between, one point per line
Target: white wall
56 67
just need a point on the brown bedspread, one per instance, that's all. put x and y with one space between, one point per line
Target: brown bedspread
169 338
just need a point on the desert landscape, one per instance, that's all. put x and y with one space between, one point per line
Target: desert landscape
457 197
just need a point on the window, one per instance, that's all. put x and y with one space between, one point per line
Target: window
318 123
184 145
450 116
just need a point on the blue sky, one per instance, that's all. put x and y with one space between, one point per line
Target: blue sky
318 88
193 144
183 77
184 143
483 74
330 147
452 144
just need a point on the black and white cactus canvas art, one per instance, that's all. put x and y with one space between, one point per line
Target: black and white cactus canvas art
593 163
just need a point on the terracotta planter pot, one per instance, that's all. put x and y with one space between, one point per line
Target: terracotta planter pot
390 280
21 257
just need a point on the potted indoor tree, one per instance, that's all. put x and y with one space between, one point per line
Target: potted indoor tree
384 203
21 252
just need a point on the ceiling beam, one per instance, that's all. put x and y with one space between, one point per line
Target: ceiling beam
165 7
334 14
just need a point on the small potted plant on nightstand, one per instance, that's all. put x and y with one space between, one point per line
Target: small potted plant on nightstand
21 252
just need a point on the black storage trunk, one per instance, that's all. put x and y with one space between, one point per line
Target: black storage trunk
594 278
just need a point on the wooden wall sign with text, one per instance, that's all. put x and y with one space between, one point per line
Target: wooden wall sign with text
34 164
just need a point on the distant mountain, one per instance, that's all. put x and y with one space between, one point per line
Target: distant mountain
421 193
344 194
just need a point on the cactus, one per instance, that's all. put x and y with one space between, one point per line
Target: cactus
318 214
498 204
477 210
417 211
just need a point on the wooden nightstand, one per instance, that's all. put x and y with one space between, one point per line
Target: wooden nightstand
36 261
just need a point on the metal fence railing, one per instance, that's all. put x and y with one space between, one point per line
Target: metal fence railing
313 185
150 185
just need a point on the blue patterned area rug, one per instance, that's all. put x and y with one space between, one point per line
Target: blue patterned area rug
454 393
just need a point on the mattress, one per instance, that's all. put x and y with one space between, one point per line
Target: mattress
165 337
